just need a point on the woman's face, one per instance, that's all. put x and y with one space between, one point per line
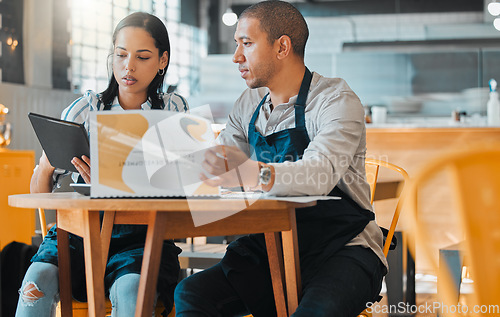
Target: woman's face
136 61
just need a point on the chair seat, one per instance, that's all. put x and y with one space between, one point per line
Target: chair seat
200 256
80 309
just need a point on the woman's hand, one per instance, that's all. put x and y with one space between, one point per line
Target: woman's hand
230 166
83 167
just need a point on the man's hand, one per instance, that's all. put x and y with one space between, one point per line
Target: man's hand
230 166
83 167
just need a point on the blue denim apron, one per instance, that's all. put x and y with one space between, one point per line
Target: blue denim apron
125 256
322 229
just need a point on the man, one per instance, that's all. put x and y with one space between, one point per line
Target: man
306 136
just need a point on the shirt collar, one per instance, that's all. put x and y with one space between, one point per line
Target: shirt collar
291 101
145 106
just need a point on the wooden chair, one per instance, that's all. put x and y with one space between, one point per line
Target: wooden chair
372 167
475 184
80 309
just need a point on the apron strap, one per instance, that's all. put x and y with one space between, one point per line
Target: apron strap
300 120
300 117
304 88
256 112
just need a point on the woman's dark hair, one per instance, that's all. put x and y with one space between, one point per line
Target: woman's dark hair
158 31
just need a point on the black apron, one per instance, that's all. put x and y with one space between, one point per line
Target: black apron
322 230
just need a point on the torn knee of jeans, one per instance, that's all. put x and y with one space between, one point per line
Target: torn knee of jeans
30 293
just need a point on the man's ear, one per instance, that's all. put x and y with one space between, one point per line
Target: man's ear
164 60
284 46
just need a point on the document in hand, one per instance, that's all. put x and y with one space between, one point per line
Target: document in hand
148 153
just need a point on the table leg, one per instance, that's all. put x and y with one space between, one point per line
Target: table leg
292 264
450 264
94 269
106 231
400 280
151 263
275 256
64 272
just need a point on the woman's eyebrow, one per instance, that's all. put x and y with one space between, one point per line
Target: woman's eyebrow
138 51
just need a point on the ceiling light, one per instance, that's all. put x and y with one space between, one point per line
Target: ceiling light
494 8
229 18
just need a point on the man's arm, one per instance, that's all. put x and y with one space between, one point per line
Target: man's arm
336 128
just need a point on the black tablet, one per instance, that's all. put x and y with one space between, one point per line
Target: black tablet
61 140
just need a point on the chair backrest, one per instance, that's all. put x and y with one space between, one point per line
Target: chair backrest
372 167
475 179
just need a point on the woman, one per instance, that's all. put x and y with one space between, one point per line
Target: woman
141 53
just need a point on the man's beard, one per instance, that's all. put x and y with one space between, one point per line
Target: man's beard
262 79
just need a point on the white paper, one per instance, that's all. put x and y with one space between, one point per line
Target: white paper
150 153
301 199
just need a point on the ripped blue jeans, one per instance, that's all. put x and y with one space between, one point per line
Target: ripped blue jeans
39 292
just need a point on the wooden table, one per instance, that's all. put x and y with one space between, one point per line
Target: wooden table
167 219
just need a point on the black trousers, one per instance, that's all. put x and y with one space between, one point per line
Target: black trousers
342 286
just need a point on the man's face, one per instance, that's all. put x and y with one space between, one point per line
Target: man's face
254 54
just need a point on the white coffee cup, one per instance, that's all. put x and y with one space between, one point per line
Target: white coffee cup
379 114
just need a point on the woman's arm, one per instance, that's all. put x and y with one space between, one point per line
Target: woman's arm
41 181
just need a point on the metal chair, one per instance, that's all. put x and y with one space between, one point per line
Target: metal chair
475 183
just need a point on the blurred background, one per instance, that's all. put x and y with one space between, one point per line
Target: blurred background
425 63
414 57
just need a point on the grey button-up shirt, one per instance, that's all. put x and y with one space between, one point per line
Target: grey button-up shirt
335 156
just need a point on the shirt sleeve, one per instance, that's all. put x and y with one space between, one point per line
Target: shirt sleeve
175 102
330 153
78 111
236 131
233 135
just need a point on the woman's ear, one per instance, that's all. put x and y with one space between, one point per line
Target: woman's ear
164 60
284 46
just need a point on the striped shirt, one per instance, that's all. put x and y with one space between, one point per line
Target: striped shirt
79 110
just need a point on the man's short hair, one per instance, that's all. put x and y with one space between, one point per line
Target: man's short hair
278 18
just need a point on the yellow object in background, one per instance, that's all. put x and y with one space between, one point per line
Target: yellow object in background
16 168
